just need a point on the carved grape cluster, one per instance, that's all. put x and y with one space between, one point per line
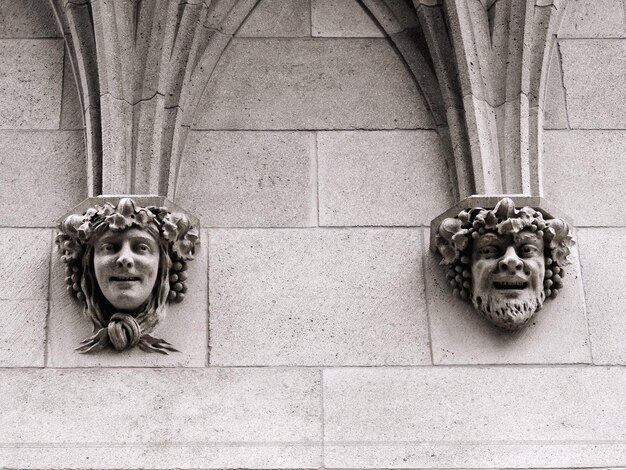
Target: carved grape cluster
72 279
553 278
460 277
178 281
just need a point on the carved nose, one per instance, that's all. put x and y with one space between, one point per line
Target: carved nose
125 260
510 261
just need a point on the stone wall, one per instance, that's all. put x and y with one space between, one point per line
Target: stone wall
585 138
43 170
319 330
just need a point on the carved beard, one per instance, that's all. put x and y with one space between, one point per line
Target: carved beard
506 313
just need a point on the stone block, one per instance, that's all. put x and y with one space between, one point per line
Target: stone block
459 417
30 83
381 178
584 174
22 332
342 18
27 19
603 264
311 84
278 18
593 19
555 114
24 263
594 75
249 179
557 333
25 157
316 297
71 112
185 325
147 418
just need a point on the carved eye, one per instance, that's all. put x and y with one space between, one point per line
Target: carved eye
107 248
143 248
527 250
489 251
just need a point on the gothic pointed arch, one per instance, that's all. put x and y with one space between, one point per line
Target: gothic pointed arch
142 67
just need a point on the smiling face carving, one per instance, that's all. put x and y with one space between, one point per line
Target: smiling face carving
507 261
126 265
507 277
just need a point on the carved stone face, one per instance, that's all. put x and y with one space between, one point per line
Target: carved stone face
126 264
507 277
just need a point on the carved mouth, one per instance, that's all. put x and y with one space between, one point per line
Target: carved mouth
510 285
124 278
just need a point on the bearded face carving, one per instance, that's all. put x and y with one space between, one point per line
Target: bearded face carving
124 263
506 261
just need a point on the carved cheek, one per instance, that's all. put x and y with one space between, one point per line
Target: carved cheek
481 273
148 266
536 268
102 267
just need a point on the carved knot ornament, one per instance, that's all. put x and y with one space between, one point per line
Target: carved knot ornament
124 263
506 260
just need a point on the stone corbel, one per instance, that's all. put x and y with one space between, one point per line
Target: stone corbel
140 68
504 254
125 259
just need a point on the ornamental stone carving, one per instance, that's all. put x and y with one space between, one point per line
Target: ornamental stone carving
507 261
124 263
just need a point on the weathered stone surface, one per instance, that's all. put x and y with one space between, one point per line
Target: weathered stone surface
144 418
503 417
393 16
24 263
311 84
604 265
593 19
481 119
30 83
43 175
584 174
27 19
22 332
250 179
317 297
381 178
555 115
117 133
557 333
278 18
342 18
71 113
594 74
185 325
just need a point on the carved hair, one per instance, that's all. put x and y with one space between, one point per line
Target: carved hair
176 240
455 236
